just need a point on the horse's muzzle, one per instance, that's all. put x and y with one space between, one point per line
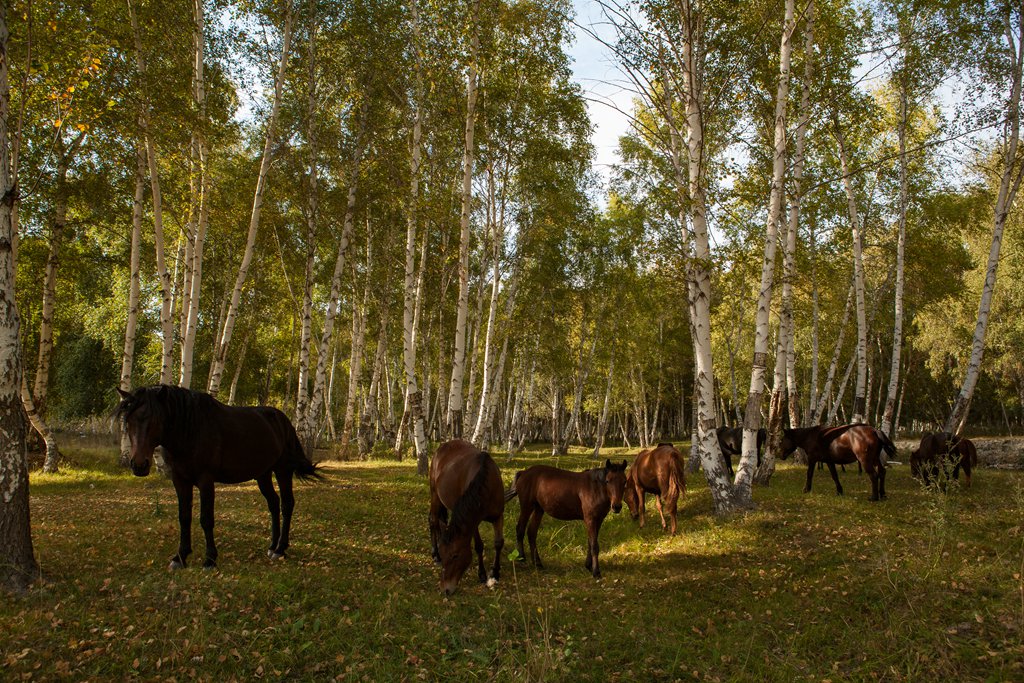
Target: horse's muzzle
141 470
617 508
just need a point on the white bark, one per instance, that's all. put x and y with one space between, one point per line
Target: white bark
128 356
1009 184
602 424
752 415
459 361
224 337
859 404
195 265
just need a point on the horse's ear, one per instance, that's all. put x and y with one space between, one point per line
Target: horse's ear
624 465
608 464
124 394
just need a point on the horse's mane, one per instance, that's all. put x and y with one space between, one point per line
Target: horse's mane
469 503
183 411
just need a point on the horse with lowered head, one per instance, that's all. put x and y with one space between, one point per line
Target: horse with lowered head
465 482
730 441
939 449
660 471
843 445
565 495
206 442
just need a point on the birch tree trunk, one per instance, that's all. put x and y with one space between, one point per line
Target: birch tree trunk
859 403
1009 184
224 337
128 356
834 364
752 415
459 361
414 399
191 311
602 424
812 400
166 323
333 304
312 199
355 377
18 565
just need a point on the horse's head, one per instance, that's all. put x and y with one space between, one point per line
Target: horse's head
915 463
456 556
615 482
788 444
144 425
632 500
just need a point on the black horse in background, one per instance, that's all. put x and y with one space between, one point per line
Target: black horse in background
207 442
730 440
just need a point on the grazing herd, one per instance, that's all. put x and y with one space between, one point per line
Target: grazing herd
206 442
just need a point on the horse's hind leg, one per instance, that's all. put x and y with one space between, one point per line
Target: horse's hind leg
835 478
593 529
524 519
873 476
206 521
661 511
266 485
438 514
810 474
284 483
531 533
184 491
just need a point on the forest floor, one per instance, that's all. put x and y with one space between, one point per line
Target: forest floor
921 586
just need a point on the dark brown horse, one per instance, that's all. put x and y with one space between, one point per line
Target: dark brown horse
730 440
939 450
841 446
660 471
566 495
207 442
465 489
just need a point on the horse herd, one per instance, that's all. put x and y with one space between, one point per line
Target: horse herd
207 442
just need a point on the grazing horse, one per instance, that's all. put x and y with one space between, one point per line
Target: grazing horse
207 442
660 471
566 495
841 445
730 440
465 482
942 448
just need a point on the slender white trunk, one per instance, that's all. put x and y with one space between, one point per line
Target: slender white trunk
306 328
841 391
224 337
128 356
18 565
752 415
602 424
459 361
166 323
191 311
834 364
1009 183
812 401
355 377
859 403
319 398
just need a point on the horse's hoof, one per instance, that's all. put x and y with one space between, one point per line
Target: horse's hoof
210 564
274 555
176 564
597 575
492 582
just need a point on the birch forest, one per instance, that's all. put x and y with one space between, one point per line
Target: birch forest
385 218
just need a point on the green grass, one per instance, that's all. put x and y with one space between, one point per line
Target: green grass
807 587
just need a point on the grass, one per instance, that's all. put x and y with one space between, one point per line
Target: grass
807 587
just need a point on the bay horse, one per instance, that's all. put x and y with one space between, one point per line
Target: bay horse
660 471
206 442
942 448
565 495
730 441
465 482
843 445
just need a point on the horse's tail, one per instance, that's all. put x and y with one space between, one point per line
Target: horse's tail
888 447
677 476
512 492
295 455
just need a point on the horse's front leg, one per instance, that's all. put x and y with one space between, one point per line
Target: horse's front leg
438 512
184 491
873 477
478 544
641 493
206 521
593 528
835 477
499 543
810 473
284 483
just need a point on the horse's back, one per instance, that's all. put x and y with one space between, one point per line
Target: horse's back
453 469
252 441
556 491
